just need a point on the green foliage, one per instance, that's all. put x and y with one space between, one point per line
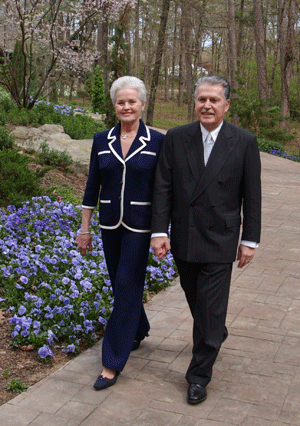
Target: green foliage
265 145
66 193
6 139
258 116
53 157
295 109
76 126
6 104
81 126
16 385
98 95
110 115
6 373
42 113
169 114
17 181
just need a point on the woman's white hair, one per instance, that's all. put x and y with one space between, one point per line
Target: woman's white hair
129 82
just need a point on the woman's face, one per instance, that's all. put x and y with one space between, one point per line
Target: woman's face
128 107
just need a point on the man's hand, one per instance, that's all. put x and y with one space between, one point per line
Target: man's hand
160 245
245 255
84 242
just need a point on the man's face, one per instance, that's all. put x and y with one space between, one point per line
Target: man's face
210 105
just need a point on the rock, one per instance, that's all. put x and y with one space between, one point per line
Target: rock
30 138
52 128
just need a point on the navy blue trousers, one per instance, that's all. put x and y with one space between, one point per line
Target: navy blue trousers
126 255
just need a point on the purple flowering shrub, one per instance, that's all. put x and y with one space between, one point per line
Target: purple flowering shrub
55 295
283 154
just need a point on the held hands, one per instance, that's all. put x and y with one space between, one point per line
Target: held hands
245 255
160 245
84 242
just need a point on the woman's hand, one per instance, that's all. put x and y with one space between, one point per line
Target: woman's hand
84 242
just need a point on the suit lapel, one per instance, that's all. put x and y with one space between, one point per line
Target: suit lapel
222 149
114 144
137 145
139 142
194 151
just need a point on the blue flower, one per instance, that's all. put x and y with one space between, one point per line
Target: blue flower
44 351
23 279
70 348
22 310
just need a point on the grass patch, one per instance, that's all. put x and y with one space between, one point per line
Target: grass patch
169 114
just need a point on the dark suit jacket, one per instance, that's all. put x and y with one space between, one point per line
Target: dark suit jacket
126 185
204 203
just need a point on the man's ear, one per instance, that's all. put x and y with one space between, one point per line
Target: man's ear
227 105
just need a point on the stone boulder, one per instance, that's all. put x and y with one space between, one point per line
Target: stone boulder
30 138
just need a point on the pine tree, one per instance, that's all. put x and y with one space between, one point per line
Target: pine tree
98 95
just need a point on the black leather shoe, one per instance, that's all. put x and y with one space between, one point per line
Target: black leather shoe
196 393
104 382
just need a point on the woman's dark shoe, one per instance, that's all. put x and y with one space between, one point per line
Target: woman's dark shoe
136 345
104 382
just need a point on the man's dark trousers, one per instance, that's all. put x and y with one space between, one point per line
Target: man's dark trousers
206 287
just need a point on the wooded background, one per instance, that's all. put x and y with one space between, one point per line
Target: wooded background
49 48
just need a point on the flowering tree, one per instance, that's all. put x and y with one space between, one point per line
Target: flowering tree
49 35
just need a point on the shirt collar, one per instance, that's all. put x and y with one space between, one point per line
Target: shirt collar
214 133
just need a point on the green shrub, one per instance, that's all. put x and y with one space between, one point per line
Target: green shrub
6 104
81 126
6 139
3 118
53 157
258 116
98 95
16 385
264 145
17 182
18 117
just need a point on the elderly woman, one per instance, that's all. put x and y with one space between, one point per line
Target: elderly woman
122 166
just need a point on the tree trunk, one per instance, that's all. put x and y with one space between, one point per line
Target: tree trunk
232 52
137 39
158 57
187 33
102 48
260 45
174 51
181 62
232 44
286 19
167 80
240 32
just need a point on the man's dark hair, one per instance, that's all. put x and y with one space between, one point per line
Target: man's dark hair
214 79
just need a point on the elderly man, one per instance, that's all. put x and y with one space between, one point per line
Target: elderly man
208 171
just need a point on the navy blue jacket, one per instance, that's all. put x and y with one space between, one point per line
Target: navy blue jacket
126 186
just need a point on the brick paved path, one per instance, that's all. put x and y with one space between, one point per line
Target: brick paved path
256 379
